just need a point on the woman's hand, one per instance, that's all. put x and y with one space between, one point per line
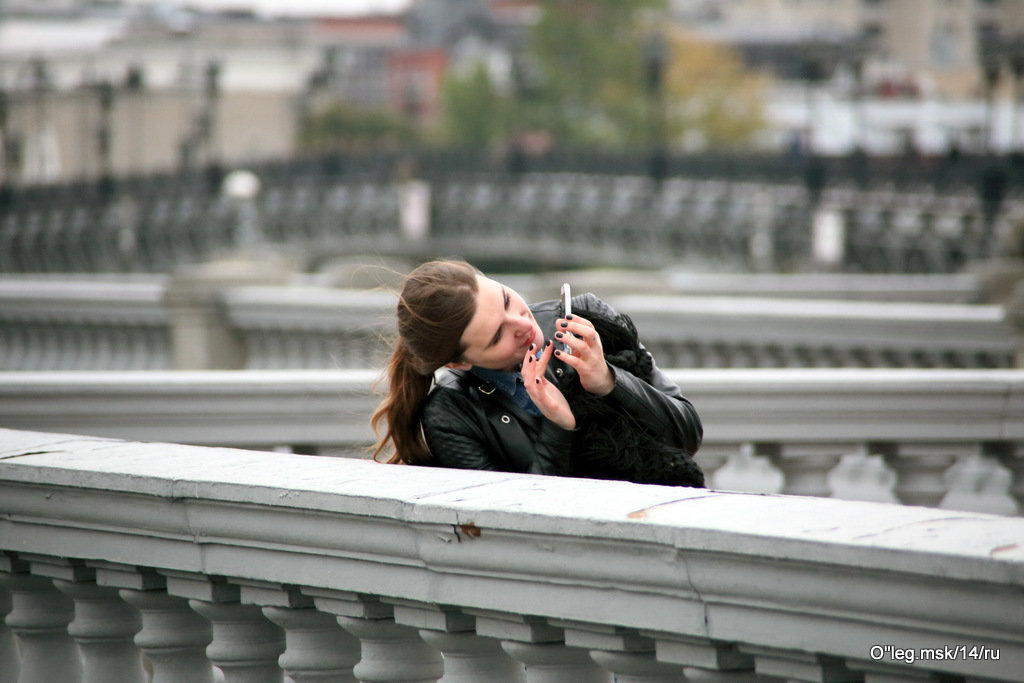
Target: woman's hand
587 357
546 396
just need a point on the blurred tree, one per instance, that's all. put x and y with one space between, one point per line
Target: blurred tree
712 100
589 60
339 126
587 84
474 113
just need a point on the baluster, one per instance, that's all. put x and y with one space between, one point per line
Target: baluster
750 470
800 666
920 471
541 647
979 483
631 667
173 637
39 618
805 468
391 653
862 475
705 660
8 649
468 657
555 663
623 652
1006 454
245 646
104 627
316 647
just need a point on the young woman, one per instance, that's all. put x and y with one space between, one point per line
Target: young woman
480 379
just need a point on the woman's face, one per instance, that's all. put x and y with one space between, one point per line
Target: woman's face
501 330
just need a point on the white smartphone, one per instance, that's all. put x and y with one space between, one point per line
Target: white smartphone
566 309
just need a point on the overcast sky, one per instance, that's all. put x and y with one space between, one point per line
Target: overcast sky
289 7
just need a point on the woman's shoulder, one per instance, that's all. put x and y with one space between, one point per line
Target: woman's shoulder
451 405
451 390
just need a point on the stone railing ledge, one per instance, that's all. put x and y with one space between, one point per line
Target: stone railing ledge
768 526
300 307
774 574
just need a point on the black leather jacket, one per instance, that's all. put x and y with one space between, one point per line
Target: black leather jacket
469 423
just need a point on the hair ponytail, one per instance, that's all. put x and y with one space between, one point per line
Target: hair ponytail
437 301
400 410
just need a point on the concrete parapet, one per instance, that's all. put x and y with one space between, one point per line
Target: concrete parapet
201 336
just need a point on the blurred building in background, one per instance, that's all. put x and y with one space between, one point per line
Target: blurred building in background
92 88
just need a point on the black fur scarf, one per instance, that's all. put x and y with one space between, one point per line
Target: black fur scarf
610 443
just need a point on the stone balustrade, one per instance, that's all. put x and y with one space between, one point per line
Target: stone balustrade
84 323
124 561
713 332
948 438
311 327
221 320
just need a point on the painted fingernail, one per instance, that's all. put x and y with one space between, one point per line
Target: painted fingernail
530 359
537 380
557 352
569 317
532 346
547 343
564 324
558 335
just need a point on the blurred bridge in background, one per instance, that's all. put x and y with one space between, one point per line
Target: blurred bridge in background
883 365
739 214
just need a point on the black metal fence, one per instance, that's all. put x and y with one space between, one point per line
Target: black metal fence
585 207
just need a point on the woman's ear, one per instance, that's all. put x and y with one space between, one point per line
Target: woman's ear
458 365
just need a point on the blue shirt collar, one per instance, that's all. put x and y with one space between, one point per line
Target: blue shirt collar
506 381
510 384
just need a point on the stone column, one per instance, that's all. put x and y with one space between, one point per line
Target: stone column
468 657
203 338
390 652
629 656
630 667
920 472
317 648
246 645
801 666
39 618
541 647
805 470
556 663
8 649
173 637
104 628
705 660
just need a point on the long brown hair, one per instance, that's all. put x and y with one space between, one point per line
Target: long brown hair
437 301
